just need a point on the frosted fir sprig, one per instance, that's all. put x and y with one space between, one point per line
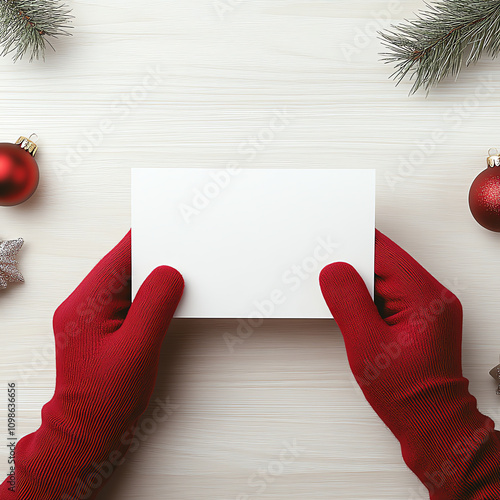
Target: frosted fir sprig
438 42
26 26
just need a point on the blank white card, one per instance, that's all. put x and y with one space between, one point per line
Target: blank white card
251 243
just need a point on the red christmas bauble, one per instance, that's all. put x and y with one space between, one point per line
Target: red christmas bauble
484 196
19 174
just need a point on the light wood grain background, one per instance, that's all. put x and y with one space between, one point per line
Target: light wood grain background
172 83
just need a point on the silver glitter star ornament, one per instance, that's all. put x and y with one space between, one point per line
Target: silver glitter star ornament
9 273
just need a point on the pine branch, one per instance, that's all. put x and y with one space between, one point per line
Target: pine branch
25 26
433 46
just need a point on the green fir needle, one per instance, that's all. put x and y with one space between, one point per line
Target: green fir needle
26 26
435 44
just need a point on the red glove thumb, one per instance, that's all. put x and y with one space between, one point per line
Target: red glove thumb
153 307
349 301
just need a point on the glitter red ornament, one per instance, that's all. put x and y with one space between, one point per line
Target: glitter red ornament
484 194
19 172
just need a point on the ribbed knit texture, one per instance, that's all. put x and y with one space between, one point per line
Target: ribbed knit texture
107 355
405 351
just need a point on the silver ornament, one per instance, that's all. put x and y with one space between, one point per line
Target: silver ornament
9 273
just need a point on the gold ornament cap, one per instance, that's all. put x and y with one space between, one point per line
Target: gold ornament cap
27 144
493 159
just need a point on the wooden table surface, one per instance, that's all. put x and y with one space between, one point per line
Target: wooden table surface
196 84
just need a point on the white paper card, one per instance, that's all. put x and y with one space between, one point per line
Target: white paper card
251 243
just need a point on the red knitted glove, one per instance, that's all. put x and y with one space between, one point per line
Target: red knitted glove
405 352
107 354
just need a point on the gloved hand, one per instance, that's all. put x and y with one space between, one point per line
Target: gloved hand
107 354
404 350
